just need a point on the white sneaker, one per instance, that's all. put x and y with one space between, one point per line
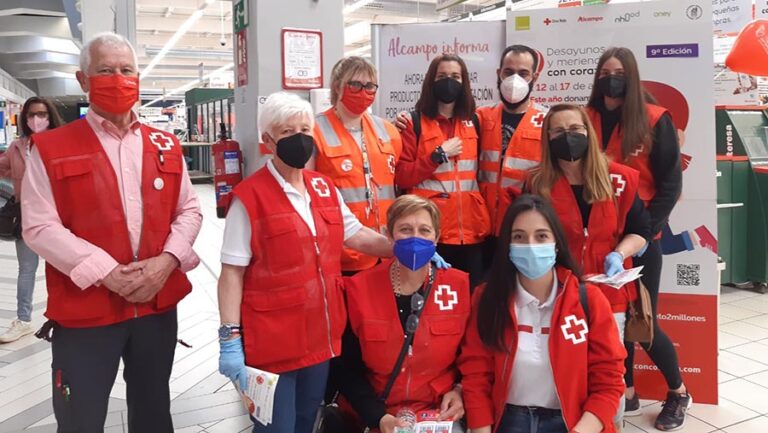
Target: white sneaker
17 330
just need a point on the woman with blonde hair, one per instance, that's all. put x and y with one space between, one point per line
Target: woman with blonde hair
611 224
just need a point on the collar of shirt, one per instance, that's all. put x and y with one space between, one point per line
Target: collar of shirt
287 187
523 298
103 126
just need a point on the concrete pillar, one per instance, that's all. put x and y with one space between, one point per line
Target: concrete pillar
117 16
266 20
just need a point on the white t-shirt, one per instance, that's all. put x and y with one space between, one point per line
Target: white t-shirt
533 382
236 249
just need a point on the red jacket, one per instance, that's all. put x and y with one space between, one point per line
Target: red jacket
431 370
639 160
292 310
588 377
89 204
605 228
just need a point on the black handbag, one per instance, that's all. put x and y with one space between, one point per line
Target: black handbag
10 220
331 419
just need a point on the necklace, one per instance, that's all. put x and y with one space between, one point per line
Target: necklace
394 277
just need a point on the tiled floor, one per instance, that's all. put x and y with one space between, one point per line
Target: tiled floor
203 401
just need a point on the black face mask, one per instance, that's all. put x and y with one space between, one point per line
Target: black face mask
513 106
570 146
296 149
612 86
447 90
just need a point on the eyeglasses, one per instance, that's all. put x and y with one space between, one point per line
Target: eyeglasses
412 322
40 114
574 129
357 86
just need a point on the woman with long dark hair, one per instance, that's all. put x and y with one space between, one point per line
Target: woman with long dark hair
635 132
37 115
541 348
439 162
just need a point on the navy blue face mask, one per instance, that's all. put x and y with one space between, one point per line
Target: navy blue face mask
414 253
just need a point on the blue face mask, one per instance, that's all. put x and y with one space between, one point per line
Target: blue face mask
414 253
533 260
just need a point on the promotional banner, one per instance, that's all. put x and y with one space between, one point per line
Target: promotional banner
732 88
672 41
402 54
729 16
761 9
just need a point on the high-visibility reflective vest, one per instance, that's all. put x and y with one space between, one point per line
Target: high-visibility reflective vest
453 185
364 176
522 153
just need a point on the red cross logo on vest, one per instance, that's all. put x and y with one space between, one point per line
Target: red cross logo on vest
538 120
575 329
619 184
445 298
391 163
161 141
319 185
638 150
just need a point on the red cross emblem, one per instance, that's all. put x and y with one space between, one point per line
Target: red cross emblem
547 21
319 185
446 298
575 329
538 120
161 141
619 184
391 163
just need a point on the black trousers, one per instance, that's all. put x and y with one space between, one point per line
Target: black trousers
85 364
467 258
662 351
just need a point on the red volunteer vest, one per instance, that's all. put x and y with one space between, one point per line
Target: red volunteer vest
639 159
88 201
431 370
523 153
292 311
453 186
605 227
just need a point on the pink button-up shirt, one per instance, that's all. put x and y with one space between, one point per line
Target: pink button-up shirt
85 263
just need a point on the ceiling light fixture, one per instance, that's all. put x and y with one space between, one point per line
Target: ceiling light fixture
191 84
182 30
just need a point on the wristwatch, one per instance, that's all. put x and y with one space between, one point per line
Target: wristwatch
439 156
227 330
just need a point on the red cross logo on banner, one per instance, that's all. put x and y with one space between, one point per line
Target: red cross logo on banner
446 298
391 163
161 141
319 185
575 329
619 184
538 120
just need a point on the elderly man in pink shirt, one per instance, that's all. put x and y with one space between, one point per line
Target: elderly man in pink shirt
109 205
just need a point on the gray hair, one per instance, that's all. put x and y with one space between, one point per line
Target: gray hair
279 108
107 38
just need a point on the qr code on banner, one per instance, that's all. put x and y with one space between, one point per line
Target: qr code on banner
688 275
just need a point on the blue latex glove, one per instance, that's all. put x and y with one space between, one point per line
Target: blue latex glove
642 250
613 264
439 262
232 361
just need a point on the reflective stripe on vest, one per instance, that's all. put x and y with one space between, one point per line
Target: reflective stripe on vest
487 176
464 165
448 185
507 182
332 139
357 195
519 164
490 155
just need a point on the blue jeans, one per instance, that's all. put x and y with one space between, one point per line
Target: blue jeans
298 395
518 419
25 284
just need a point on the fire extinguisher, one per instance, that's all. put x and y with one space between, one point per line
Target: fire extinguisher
228 170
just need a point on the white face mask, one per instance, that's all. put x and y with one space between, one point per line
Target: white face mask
514 88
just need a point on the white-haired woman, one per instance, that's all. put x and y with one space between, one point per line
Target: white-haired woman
280 298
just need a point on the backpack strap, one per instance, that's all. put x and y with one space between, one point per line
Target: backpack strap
416 119
584 299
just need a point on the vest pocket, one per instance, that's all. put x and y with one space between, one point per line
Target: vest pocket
282 232
274 325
